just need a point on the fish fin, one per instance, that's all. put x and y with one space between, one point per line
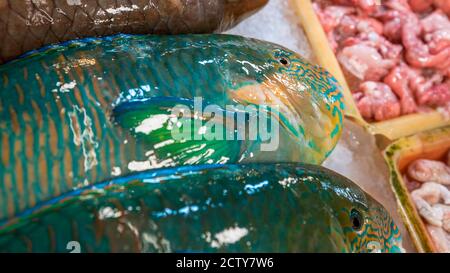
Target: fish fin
176 139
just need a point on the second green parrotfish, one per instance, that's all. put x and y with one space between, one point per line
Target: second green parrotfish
89 110
209 208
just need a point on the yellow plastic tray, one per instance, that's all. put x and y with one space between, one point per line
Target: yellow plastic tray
393 128
432 144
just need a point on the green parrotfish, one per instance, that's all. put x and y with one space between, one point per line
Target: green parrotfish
210 208
86 111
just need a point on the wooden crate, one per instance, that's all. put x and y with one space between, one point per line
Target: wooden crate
432 144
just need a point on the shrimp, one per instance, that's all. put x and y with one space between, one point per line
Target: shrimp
436 27
443 210
440 238
429 194
398 80
424 170
377 101
417 52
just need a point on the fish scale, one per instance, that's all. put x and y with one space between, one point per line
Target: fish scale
27 24
210 208
75 121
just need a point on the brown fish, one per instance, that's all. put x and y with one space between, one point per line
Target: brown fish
28 24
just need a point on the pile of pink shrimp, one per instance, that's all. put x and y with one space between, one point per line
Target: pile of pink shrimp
397 52
429 184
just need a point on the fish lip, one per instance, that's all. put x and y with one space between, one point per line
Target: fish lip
398 243
376 247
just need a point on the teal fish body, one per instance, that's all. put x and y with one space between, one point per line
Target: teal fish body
210 208
90 110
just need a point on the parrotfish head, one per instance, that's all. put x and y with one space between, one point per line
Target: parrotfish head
302 100
309 98
369 228
347 216
383 227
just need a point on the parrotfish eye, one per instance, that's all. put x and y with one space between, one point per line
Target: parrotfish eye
356 219
284 61
282 57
